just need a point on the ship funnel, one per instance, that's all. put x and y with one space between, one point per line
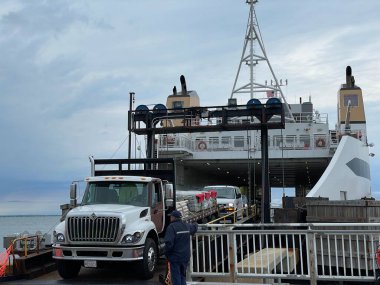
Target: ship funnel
183 85
350 81
174 90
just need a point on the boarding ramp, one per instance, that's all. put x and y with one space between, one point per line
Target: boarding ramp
258 253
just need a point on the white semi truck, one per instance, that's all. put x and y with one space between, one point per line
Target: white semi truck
122 216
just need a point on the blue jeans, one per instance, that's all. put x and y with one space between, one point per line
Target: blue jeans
178 272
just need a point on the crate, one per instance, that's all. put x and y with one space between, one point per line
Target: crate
286 215
349 211
299 202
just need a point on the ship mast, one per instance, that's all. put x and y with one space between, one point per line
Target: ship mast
251 58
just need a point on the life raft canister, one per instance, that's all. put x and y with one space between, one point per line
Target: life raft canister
202 145
320 142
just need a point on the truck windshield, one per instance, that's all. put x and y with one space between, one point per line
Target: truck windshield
110 192
223 192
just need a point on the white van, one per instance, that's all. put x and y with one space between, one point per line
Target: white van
228 197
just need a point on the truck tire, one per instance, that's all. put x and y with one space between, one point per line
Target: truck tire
149 263
377 277
68 269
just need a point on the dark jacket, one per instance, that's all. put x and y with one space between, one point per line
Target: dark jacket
177 241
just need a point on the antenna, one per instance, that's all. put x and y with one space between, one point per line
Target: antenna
251 58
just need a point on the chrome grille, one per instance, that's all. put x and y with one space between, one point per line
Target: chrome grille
88 229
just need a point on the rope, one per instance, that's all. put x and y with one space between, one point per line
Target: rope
4 257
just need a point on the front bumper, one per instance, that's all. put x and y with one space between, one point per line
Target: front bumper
65 252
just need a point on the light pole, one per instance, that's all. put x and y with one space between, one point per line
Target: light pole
131 102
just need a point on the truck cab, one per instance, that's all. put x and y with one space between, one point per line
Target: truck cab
120 218
129 193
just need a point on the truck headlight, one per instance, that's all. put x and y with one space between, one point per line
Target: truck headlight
59 237
230 207
136 237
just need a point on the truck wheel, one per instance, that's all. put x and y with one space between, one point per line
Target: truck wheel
149 263
377 277
68 269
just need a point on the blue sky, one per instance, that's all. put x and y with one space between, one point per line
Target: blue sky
66 69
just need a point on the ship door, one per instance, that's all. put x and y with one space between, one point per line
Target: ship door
156 205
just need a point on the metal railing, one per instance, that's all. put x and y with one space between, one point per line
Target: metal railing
245 212
28 243
336 252
307 142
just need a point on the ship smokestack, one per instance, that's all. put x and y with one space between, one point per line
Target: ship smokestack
183 85
175 90
349 77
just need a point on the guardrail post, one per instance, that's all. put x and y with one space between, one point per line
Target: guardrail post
231 256
312 254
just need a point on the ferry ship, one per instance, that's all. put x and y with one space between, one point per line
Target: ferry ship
305 155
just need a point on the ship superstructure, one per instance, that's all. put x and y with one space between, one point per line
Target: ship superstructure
305 155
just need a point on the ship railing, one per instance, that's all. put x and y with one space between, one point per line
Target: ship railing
313 252
174 141
311 117
318 141
277 142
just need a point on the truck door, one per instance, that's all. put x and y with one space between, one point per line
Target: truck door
157 206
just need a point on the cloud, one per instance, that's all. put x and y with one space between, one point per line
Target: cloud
67 67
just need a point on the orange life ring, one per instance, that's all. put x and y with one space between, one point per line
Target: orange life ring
202 145
320 142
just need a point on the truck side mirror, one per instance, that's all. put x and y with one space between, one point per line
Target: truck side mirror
169 191
238 195
73 195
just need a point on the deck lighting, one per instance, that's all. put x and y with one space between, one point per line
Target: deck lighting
254 104
159 109
142 109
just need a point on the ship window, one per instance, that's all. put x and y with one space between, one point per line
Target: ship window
239 141
214 141
177 104
277 141
290 141
353 98
305 141
226 140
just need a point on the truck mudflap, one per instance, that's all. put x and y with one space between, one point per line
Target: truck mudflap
98 253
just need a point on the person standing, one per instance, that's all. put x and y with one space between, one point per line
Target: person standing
177 246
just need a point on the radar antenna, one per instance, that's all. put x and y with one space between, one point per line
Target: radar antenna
252 59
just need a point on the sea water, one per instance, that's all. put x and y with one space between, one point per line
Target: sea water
10 225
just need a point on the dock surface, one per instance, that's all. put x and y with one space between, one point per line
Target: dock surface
120 274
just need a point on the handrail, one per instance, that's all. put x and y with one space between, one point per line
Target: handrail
309 251
234 214
37 238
